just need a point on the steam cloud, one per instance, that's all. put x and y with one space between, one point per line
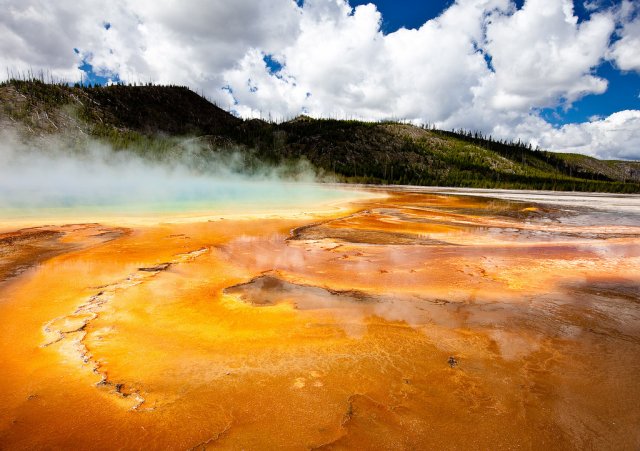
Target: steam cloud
62 175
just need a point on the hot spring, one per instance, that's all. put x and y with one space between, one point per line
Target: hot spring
149 307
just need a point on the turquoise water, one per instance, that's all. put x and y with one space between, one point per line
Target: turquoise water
100 182
198 196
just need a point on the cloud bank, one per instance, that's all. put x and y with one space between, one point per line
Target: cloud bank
482 64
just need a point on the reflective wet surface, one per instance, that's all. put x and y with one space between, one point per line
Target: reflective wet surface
415 321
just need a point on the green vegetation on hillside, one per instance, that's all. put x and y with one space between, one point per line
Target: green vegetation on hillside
163 122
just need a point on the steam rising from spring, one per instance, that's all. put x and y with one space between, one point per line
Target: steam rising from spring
62 175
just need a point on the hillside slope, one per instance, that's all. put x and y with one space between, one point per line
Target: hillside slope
156 120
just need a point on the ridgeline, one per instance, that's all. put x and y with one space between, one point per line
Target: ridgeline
156 121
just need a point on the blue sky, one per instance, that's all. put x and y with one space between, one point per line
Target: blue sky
561 74
406 13
623 93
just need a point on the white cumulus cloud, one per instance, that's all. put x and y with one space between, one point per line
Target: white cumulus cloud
614 137
542 56
626 51
482 64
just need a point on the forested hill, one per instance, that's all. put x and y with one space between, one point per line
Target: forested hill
159 120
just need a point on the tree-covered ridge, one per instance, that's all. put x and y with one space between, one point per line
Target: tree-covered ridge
161 121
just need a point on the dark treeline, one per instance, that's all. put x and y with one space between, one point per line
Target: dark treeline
368 153
522 152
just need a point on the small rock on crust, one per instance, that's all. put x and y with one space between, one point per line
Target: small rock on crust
160 267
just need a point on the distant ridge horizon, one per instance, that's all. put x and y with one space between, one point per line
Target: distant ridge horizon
378 152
